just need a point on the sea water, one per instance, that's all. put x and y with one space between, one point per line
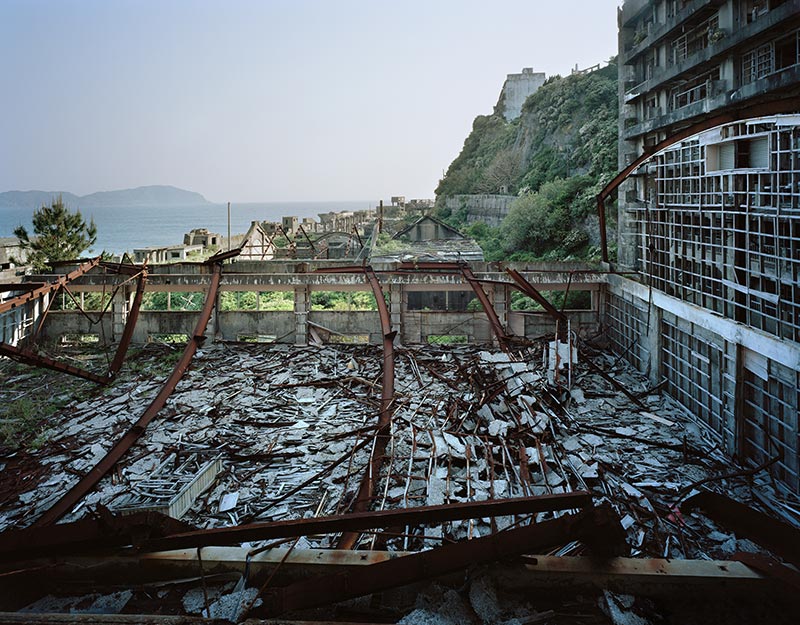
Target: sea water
121 229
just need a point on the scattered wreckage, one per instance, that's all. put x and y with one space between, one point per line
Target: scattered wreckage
394 484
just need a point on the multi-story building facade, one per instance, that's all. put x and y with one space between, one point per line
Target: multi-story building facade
711 223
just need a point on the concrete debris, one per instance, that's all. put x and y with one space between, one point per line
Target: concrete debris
621 609
292 430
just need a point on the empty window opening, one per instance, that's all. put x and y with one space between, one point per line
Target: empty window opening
343 300
168 338
79 338
447 339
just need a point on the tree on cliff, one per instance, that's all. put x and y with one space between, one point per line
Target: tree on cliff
59 234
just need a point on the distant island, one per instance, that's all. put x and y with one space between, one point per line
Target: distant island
150 196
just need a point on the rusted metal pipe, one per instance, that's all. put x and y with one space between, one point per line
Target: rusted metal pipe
88 482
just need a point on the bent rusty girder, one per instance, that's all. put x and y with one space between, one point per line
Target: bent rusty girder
494 321
89 535
787 105
74 537
598 527
30 357
130 324
49 288
79 490
366 488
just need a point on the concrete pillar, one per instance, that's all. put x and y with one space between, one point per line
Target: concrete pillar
396 310
501 301
302 306
120 307
652 343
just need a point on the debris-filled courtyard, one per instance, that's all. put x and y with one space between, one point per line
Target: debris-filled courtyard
271 434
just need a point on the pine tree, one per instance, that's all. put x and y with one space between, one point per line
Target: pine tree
59 235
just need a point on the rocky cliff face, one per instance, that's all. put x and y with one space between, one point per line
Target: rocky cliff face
568 127
555 157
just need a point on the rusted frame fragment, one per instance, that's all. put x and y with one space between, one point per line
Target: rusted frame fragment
49 288
788 105
29 357
494 321
357 521
777 536
130 324
88 482
770 567
598 527
88 535
114 531
366 488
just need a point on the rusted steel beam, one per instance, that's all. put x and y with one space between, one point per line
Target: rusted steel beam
117 531
88 482
366 488
88 535
49 288
494 321
598 527
532 292
357 521
770 567
430 266
29 357
130 324
777 536
777 107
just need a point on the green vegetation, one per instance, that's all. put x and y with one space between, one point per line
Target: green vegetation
59 235
556 157
24 423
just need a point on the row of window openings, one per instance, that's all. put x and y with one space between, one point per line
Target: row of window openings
759 63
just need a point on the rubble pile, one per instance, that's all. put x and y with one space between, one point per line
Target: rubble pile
291 430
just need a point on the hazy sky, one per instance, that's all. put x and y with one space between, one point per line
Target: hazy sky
267 101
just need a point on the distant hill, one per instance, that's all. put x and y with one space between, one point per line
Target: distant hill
155 195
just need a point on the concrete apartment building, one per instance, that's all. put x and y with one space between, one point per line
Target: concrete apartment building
711 223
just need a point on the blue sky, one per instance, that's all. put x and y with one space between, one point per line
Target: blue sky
267 101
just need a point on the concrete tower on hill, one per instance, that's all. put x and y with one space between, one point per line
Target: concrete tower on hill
516 90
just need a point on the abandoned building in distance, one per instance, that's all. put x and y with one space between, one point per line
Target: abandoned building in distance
359 425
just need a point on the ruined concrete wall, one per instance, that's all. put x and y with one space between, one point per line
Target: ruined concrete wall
488 208
63 322
418 326
239 325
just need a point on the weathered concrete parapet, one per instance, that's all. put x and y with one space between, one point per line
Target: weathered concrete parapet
412 326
